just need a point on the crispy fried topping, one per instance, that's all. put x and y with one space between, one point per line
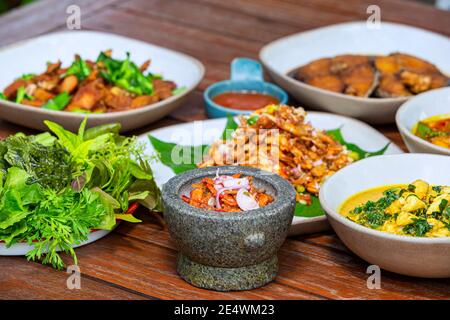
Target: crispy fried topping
281 141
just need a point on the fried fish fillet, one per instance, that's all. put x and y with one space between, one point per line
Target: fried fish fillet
387 64
350 74
395 75
328 82
320 67
345 62
416 75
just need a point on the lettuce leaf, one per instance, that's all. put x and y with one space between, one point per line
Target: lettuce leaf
16 195
11 234
11 209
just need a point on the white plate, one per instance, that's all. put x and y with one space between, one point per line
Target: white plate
413 256
288 53
428 104
31 56
206 132
20 249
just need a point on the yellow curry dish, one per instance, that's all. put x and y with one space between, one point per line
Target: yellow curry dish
417 209
435 129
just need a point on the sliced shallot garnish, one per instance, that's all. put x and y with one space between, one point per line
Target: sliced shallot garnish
220 191
220 179
246 201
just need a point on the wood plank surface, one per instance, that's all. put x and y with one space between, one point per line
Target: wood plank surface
150 269
138 261
309 14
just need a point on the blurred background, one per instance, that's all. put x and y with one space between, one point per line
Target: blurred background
6 5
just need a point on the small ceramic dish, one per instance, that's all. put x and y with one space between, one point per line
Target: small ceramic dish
428 104
413 256
227 251
246 76
31 56
284 55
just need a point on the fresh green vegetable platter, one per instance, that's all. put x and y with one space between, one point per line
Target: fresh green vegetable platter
162 144
61 189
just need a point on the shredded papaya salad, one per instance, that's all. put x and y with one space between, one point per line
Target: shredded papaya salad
227 194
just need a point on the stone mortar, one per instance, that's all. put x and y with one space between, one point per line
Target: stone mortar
227 250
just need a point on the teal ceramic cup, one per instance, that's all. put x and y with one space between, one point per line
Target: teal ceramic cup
246 76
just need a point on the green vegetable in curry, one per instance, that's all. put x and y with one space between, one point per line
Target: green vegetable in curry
434 129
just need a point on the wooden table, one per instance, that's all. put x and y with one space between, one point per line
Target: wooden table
138 261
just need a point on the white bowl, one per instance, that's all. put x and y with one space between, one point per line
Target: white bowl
413 256
435 102
286 54
30 56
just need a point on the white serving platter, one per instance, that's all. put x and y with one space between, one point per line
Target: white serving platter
207 131
31 56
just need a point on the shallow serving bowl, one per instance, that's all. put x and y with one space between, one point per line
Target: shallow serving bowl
286 54
428 104
31 56
228 250
413 256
